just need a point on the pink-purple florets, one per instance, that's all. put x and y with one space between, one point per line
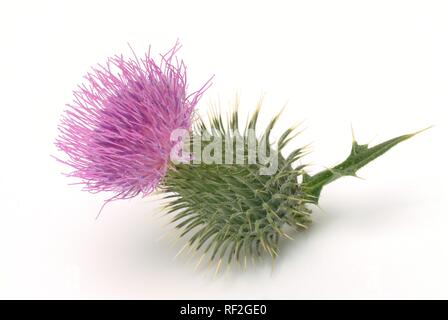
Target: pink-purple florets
116 133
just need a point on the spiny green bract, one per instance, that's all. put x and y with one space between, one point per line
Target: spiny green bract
230 211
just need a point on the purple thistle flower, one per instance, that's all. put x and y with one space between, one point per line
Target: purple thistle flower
116 132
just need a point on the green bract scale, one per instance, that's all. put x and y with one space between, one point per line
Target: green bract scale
236 195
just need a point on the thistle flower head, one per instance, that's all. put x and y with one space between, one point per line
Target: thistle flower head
116 133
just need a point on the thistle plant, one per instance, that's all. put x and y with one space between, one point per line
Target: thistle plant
232 192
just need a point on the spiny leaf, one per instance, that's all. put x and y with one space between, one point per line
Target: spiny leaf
360 155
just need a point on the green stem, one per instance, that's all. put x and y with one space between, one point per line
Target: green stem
360 155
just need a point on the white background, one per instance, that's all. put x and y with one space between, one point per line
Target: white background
381 66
